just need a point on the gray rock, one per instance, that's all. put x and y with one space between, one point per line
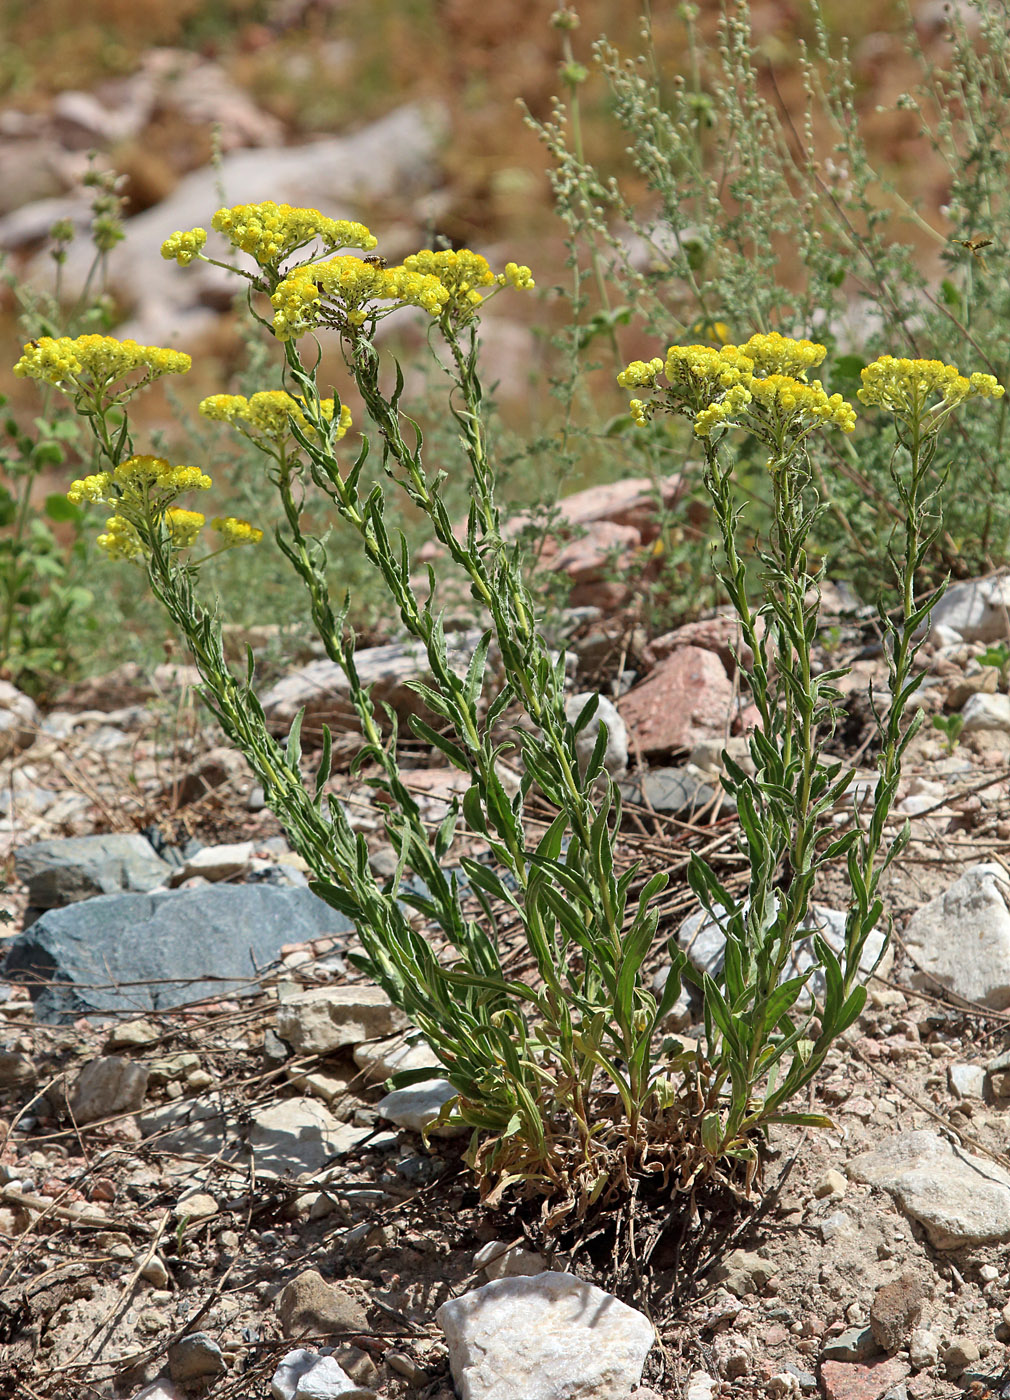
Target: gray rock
974 609
63 871
195 1357
961 1199
552 1337
133 952
321 688
961 939
615 759
16 1070
194 1128
324 1019
501 1260
305 1375
227 862
106 1086
959 1355
418 1107
19 720
378 1059
966 1081
299 1135
705 943
743 1272
984 711
854 1344
676 791
309 1304
923 1348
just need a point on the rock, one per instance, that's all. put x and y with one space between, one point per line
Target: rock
966 1081
984 711
615 760
960 1198
16 1070
309 1304
499 1260
961 939
62 871
603 550
923 1349
299 1135
199 1205
832 1184
161 1389
974 609
19 720
321 689
742 1272
154 1271
418 1107
324 1019
701 1386
704 942
180 944
637 501
681 1013
552 1337
720 634
305 1375
228 862
688 697
678 791
132 1035
379 1059
200 1127
106 1086
328 1087
869 1381
854 1344
961 1354
895 1310
194 1357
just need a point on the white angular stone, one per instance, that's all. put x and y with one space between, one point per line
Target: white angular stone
552 1337
417 1107
228 862
923 1348
111 1084
705 943
615 760
986 712
305 1375
323 1019
974 610
966 1081
961 939
299 1135
499 1260
378 1059
961 1199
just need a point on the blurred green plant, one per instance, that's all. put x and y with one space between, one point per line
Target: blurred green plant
950 727
998 657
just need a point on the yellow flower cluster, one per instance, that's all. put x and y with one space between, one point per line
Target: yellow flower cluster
904 387
339 291
763 383
460 273
120 540
139 479
184 247
234 531
517 275
184 526
267 414
96 361
271 232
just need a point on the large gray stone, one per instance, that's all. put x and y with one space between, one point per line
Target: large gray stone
959 1198
961 939
299 1135
976 609
111 1084
548 1337
129 953
65 870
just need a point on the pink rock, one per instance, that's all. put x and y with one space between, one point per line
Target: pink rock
718 634
603 549
861 1380
633 501
688 697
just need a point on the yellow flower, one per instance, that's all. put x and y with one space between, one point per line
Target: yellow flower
517 275
640 374
797 407
91 488
460 272
94 363
268 414
183 526
778 354
271 232
184 247
234 531
121 540
346 291
905 387
156 478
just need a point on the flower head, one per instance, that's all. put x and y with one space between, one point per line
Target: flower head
95 365
235 531
270 233
347 291
267 416
184 247
120 540
183 525
922 391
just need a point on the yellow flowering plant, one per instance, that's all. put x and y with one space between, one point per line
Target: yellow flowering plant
761 1047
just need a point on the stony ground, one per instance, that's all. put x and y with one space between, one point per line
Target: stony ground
873 1260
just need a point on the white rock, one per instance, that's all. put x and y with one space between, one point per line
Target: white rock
961 939
923 1348
615 760
832 1184
161 1389
108 1085
228 862
499 1260
299 1135
966 1081
961 1199
984 711
19 719
553 1337
323 1019
975 610
701 1386
704 942
416 1107
305 1375
378 1059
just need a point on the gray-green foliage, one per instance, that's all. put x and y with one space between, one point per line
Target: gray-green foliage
750 219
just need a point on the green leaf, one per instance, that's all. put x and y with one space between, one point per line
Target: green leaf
62 511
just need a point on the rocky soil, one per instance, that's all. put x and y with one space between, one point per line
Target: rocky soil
205 1187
